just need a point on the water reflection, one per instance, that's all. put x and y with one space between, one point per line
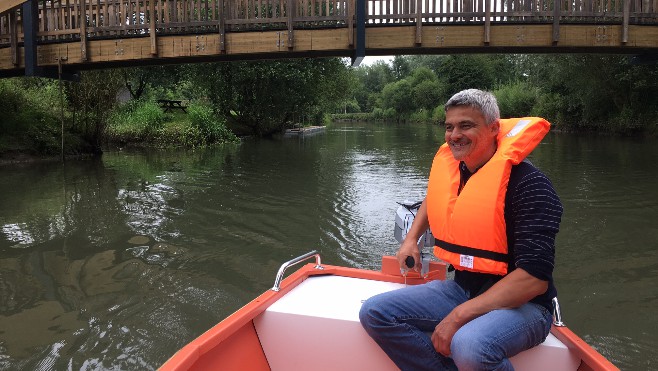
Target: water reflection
115 264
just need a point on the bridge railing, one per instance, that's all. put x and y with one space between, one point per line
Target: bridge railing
61 20
526 11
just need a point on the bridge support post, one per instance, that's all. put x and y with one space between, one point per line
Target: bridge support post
82 11
291 15
624 28
557 13
360 50
13 35
419 22
487 22
222 27
350 23
152 35
30 15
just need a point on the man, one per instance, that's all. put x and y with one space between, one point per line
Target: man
495 217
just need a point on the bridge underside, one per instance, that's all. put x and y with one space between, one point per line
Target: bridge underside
382 40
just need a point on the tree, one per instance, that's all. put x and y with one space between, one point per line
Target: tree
401 67
397 95
602 92
92 100
263 98
467 71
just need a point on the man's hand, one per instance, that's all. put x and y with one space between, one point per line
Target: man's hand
512 291
443 333
409 248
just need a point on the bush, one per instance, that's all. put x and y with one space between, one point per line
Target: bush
30 116
209 125
136 120
516 99
439 114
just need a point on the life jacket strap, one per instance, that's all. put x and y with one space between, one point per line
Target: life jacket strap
465 250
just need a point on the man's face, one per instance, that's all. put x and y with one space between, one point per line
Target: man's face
469 137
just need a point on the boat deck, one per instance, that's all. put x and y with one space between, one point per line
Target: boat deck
316 327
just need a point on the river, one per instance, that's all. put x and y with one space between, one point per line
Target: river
116 263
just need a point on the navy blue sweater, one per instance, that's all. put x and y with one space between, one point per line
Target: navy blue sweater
532 214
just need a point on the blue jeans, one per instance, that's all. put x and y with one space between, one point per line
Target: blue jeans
402 322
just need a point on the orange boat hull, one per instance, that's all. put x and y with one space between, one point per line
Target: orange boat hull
234 344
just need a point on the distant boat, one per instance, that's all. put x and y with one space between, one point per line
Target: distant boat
309 321
308 130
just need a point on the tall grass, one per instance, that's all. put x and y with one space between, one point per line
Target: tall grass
144 122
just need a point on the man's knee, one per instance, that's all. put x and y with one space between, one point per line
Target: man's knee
374 315
369 314
472 353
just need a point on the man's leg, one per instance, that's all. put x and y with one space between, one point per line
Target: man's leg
487 342
399 321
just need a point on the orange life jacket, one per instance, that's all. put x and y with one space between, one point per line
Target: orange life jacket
469 228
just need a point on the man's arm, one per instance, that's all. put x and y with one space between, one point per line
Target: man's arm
512 291
409 246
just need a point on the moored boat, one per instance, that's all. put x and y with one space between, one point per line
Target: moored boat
304 131
309 321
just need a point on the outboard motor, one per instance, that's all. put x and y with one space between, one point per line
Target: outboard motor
404 216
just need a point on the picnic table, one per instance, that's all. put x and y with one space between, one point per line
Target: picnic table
167 105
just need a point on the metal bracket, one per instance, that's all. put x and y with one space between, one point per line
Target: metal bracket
557 315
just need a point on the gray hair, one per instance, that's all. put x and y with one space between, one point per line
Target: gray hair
481 100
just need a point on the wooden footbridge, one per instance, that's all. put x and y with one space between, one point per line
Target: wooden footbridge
38 36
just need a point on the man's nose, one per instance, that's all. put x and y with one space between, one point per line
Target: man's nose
455 134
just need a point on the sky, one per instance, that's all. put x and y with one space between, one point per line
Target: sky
367 61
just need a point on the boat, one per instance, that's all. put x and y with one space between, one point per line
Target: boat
309 321
304 131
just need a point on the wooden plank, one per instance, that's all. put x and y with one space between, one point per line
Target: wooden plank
487 22
291 13
350 23
152 35
222 28
10 4
575 38
419 22
557 13
98 13
82 11
13 37
624 32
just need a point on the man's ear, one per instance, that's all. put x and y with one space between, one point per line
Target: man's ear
495 127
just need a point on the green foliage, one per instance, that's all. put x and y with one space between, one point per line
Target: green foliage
401 68
396 96
439 114
265 97
371 81
30 116
206 122
91 100
136 120
143 121
517 99
597 92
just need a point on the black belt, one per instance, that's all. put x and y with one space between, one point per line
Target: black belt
465 250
